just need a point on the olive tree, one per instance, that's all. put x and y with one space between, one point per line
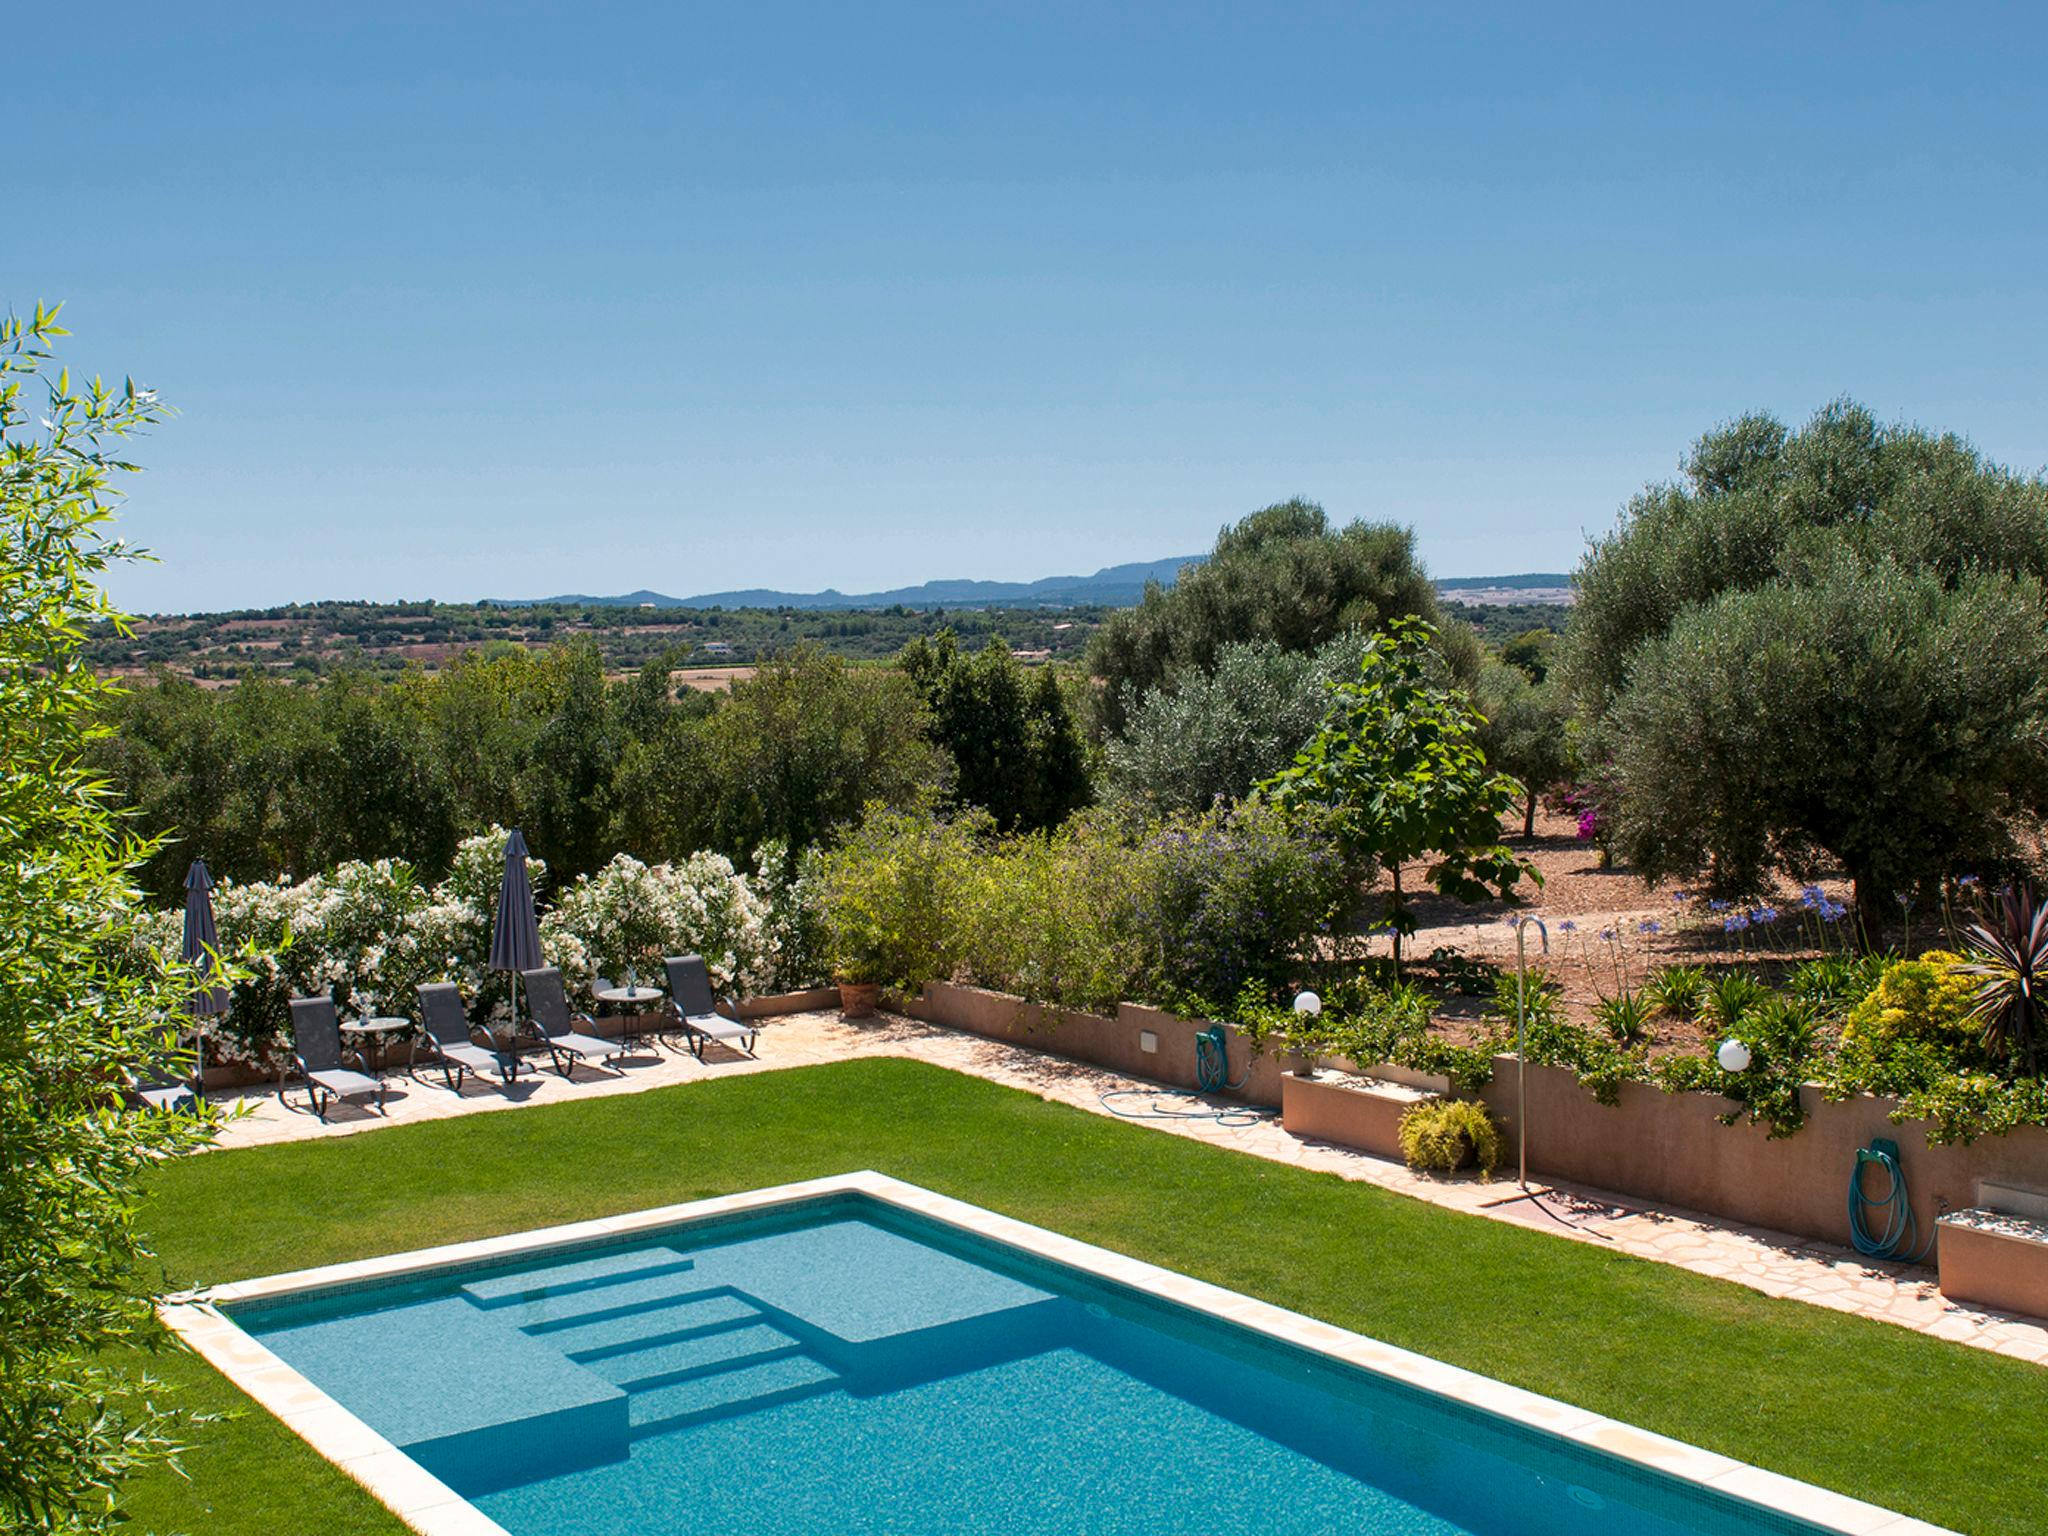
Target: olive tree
1282 575
1868 718
1525 732
75 1012
1208 736
1821 649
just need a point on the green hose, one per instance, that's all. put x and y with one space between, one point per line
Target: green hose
1212 1075
1212 1063
1901 1227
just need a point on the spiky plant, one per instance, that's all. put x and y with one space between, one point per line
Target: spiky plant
1677 991
1732 995
2009 953
1626 1018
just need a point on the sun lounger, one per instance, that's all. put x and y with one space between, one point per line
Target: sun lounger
448 1038
695 1010
547 1003
316 1048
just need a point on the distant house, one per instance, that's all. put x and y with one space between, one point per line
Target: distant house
717 648
1031 655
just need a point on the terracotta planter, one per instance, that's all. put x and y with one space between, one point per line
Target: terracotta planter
857 999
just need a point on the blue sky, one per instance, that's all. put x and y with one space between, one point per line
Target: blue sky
466 300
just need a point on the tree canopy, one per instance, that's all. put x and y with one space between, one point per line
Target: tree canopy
1761 505
75 1017
1525 731
270 777
1281 575
1213 735
1396 772
1825 647
1018 752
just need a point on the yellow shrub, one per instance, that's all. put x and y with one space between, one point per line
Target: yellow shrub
1442 1135
1924 999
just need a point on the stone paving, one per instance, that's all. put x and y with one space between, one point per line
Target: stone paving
1771 1262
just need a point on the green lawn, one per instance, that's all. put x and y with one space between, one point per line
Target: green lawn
1950 1434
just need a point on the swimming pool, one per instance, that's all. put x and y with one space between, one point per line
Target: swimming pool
856 1354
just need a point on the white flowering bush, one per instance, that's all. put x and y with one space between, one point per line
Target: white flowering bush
628 915
796 915
368 933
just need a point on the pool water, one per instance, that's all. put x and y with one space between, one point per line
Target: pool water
850 1367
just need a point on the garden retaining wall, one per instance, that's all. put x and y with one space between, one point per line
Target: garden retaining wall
1671 1148
1117 1043
1668 1148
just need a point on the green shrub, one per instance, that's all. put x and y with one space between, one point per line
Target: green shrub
1550 1039
1542 996
1466 975
1443 1135
1731 996
1836 983
1676 991
1236 894
1054 917
1183 912
1782 1035
895 892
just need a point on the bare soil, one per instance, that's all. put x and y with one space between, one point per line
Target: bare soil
1608 929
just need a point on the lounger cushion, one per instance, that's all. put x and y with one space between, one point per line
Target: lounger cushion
342 1083
718 1027
472 1056
586 1045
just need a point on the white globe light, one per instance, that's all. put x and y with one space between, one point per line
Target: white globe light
1733 1055
1307 1003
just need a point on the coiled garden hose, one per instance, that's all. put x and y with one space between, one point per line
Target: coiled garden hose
1901 1227
1212 1063
1212 1075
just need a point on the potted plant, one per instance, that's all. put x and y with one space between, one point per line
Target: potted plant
857 999
864 957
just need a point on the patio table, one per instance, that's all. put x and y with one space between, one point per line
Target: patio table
633 1000
367 1033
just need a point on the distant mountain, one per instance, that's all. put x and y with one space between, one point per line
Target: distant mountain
1526 581
1114 586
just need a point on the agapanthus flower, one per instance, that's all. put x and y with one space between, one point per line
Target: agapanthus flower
1735 923
1766 914
1649 925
